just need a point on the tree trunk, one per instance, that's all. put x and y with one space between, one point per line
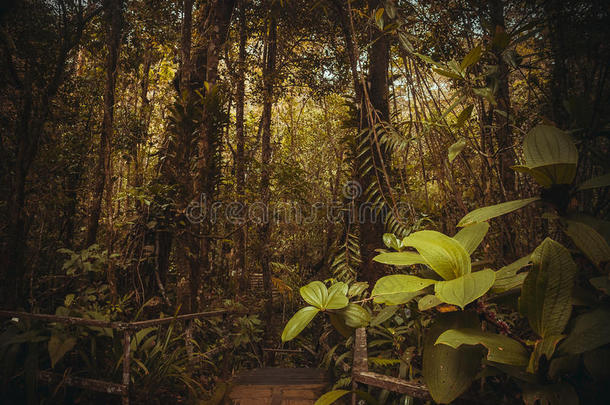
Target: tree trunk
269 60
372 226
113 14
240 240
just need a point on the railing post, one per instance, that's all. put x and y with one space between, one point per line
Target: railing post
360 362
126 360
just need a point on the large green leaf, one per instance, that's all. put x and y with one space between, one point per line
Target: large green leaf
58 346
485 213
500 348
507 277
589 241
355 316
471 236
455 149
547 289
465 289
596 182
298 322
443 254
332 396
398 289
590 331
400 258
448 372
551 151
337 296
314 293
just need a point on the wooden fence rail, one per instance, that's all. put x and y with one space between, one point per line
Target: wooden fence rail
127 328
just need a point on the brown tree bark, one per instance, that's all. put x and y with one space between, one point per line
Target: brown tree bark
269 61
240 240
113 20
372 227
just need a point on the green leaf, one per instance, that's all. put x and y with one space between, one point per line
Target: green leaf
332 396
390 240
540 177
398 289
500 348
456 149
400 258
357 288
443 254
464 115
339 324
139 337
485 213
447 73
589 241
465 289
471 58
386 313
591 330
355 316
337 296
543 347
507 277
427 302
471 236
58 346
552 152
69 300
449 372
596 182
298 322
315 293
547 289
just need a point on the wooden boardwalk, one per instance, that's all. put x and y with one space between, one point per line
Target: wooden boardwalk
279 386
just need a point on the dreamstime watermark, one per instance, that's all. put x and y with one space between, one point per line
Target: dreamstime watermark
350 210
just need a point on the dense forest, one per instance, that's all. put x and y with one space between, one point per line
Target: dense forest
411 195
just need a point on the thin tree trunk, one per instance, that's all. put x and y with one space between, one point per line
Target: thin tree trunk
113 22
265 229
239 134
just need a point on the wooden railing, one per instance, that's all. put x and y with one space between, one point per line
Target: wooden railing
361 374
127 328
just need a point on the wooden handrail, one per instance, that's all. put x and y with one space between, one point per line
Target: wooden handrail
361 374
72 320
126 327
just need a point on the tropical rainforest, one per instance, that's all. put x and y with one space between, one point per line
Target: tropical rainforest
191 189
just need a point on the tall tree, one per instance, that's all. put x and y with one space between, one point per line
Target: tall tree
113 23
239 134
36 54
269 61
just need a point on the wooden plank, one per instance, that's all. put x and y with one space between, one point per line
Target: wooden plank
282 376
50 378
413 389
